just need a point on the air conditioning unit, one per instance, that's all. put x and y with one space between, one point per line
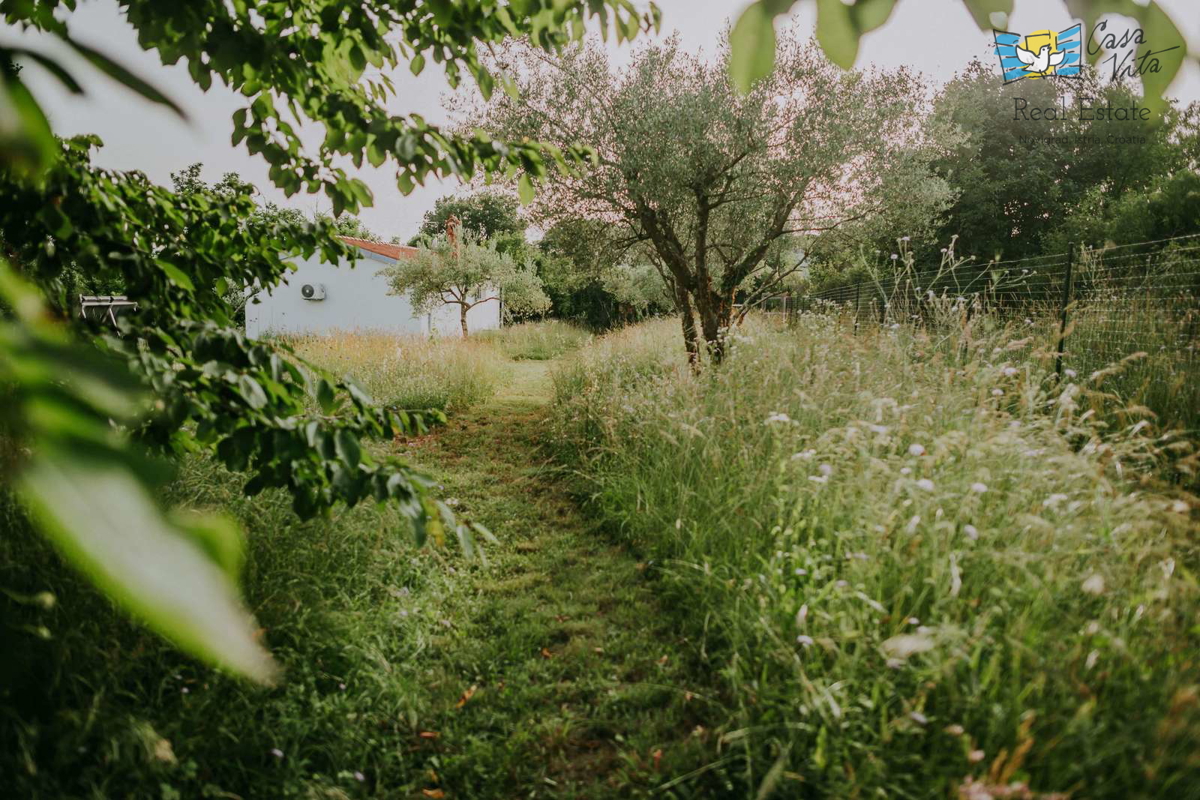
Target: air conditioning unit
313 291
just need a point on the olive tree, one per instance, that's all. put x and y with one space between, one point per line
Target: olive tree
460 269
718 189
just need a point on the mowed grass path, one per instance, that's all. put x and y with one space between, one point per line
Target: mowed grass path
557 676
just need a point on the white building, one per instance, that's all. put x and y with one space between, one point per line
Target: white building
321 298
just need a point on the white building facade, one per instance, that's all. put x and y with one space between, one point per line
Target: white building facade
319 299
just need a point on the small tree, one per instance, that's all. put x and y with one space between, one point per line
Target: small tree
461 269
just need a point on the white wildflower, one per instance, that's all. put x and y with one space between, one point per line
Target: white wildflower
806 641
777 416
1010 371
918 717
1094 584
916 450
1179 507
275 751
978 488
997 392
1054 500
803 455
907 644
819 478
925 484
971 531
825 469
906 470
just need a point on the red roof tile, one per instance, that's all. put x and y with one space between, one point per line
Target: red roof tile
396 251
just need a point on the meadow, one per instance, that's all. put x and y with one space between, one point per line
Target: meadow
916 564
903 563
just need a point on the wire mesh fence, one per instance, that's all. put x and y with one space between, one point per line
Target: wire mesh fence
1137 305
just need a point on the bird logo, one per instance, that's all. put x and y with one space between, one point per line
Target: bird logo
1041 54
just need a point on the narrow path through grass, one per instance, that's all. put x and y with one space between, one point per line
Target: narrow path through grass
557 676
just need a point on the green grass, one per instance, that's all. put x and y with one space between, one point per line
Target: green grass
537 341
409 371
578 685
762 593
907 558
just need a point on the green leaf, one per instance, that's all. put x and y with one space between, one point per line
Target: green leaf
752 46
839 26
325 397
525 189
219 537
176 275
51 66
982 11
104 522
348 448
26 141
122 75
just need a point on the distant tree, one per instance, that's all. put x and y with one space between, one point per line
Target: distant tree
710 183
1011 194
591 278
487 214
462 269
352 226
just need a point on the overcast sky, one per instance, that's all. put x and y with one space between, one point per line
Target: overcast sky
937 37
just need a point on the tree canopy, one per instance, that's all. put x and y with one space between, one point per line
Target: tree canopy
464 270
712 187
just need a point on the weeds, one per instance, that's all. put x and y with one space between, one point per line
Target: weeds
411 372
537 341
914 560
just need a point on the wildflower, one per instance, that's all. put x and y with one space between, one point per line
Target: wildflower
976 756
275 751
918 717
880 429
185 690
778 416
971 531
804 455
894 256
825 469
907 644
906 470
997 392
916 450
1070 373
819 478
802 616
358 776
806 641
925 484
1094 584
1010 371
799 571
913 621
1179 507
978 488
1054 500
954 730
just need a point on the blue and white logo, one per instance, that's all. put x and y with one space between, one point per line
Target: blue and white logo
1041 54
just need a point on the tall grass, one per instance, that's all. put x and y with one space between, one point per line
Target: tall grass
537 341
412 372
915 562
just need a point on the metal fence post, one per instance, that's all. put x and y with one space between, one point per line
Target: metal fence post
857 288
1066 301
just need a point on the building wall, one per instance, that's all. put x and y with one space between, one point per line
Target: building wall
356 299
